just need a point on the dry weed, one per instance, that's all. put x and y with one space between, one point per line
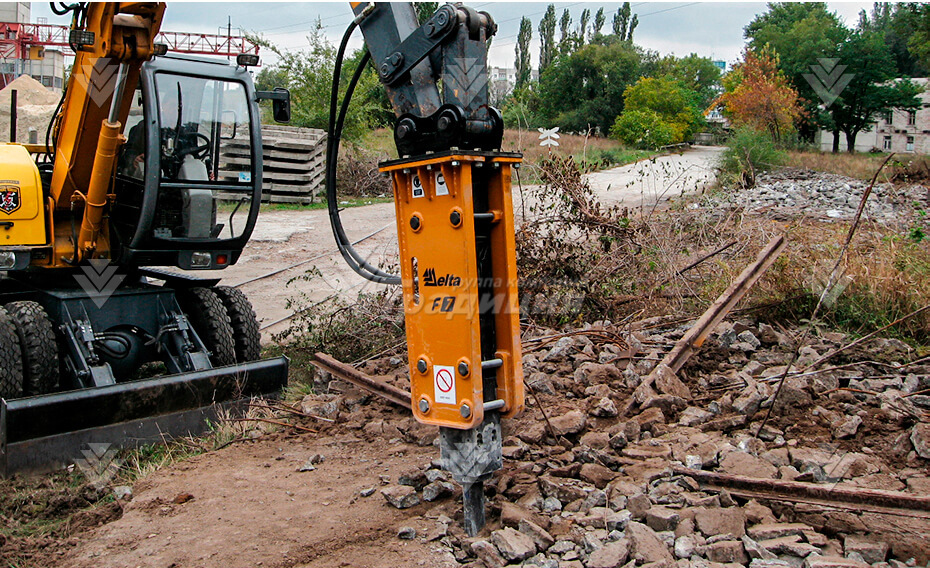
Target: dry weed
592 263
859 166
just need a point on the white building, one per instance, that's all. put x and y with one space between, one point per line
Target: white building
899 131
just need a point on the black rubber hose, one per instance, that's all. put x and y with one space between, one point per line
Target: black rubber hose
334 134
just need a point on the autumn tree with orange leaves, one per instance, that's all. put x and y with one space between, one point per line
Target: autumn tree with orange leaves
757 95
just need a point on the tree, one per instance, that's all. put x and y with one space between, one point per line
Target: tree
583 22
918 43
675 105
566 40
622 20
897 24
758 95
643 129
801 34
308 74
599 20
547 39
698 74
633 23
585 89
871 91
523 62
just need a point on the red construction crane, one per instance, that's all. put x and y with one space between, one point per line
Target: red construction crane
18 40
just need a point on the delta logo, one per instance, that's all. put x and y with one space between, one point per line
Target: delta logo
10 199
429 279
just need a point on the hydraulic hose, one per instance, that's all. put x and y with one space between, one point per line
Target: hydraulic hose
334 135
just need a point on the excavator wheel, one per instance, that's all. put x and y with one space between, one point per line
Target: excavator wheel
11 371
206 313
244 323
38 347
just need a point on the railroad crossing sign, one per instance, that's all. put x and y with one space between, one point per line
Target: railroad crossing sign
549 136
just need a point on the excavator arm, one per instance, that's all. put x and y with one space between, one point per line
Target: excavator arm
111 41
452 194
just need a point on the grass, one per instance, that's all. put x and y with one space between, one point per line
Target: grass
859 166
347 202
344 203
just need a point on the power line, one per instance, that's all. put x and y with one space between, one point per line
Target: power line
668 9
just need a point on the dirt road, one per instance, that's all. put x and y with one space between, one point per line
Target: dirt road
285 238
247 505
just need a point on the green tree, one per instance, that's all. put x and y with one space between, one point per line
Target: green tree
643 129
585 89
523 63
622 20
871 91
801 34
566 39
698 74
547 39
897 24
582 35
308 74
674 103
918 43
599 20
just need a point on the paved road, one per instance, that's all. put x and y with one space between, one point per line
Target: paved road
285 238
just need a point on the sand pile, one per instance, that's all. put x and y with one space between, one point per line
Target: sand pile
35 107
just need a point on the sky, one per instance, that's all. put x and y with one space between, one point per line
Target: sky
710 29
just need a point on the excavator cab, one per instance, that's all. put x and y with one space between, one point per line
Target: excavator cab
188 184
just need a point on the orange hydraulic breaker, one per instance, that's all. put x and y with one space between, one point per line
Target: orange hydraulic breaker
458 263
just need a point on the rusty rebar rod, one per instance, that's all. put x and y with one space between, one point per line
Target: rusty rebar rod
348 373
874 500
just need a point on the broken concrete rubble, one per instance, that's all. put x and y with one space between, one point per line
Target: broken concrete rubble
604 489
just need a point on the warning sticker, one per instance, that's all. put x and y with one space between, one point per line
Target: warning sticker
417 187
441 187
444 384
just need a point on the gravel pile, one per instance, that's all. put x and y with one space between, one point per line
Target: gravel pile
791 192
35 108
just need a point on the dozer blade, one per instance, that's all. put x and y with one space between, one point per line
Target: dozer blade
48 432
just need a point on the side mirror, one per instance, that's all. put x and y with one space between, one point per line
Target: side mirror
280 103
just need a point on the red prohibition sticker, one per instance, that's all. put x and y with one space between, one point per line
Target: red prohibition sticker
444 384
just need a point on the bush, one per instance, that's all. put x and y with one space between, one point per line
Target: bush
749 152
643 129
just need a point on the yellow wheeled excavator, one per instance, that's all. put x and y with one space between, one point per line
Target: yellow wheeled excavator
99 342
135 170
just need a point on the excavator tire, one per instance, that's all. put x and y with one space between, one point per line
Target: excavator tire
244 323
38 347
11 371
206 313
